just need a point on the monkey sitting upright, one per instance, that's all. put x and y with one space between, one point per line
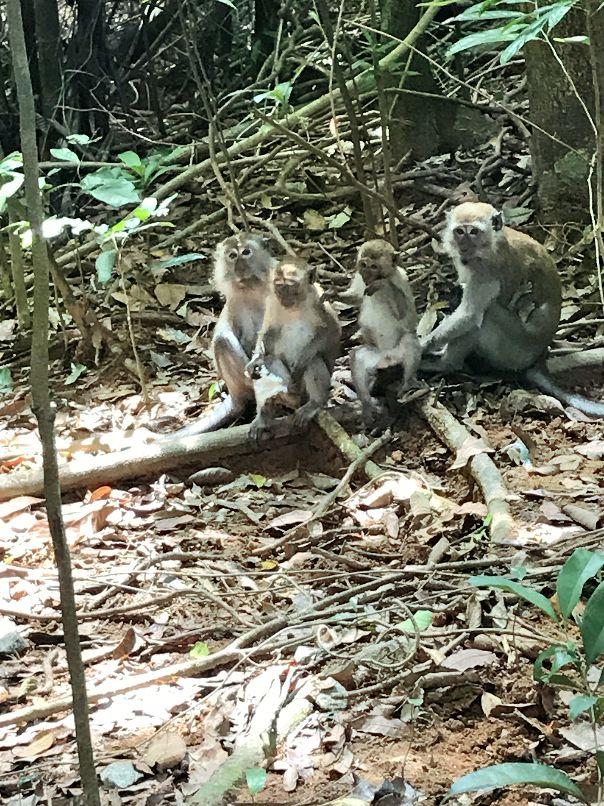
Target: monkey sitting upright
388 321
510 306
242 266
297 347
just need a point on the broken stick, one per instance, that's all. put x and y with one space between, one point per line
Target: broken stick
485 472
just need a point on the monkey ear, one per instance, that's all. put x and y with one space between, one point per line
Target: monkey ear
497 221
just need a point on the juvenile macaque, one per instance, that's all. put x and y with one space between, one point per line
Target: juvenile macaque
510 306
242 266
297 347
387 321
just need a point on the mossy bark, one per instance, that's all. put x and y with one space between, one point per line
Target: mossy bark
563 141
419 124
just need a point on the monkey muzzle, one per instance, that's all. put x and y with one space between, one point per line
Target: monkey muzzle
288 295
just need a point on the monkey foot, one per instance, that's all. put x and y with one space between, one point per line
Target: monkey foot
302 417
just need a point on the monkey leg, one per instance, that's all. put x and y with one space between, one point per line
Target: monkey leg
409 354
454 355
231 361
364 367
507 343
316 382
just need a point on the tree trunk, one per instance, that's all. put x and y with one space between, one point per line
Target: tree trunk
89 60
561 165
417 123
48 35
42 405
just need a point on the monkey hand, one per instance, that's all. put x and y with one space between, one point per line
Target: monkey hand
431 345
302 416
259 428
254 368
390 358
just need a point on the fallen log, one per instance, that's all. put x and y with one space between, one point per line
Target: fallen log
144 461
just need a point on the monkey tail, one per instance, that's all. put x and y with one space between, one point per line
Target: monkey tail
540 378
224 413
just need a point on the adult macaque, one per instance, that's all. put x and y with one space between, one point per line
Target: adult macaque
510 306
297 347
388 321
242 266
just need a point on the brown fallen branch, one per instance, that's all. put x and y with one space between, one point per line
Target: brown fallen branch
483 469
142 461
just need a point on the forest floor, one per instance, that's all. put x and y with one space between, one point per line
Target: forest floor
379 662
169 567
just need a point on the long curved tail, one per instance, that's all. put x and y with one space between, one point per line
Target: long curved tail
223 413
540 378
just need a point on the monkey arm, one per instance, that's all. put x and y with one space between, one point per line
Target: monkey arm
477 296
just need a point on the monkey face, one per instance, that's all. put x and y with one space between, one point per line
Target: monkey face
245 259
472 228
375 262
291 279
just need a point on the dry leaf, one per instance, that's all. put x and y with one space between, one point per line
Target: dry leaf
43 742
166 751
290 518
472 446
468 659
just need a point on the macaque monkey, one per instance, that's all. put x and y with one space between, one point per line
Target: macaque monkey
297 347
242 266
387 321
510 306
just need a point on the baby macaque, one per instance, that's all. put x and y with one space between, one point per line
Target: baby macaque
297 347
510 306
387 321
242 266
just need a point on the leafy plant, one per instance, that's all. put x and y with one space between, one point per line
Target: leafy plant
519 25
121 185
567 665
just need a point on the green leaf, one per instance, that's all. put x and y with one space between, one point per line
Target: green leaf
117 193
572 40
130 159
580 704
256 779
580 566
64 154
167 263
78 139
104 265
76 371
490 37
530 595
500 775
6 381
338 220
422 618
560 656
9 188
257 479
592 625
199 650
213 390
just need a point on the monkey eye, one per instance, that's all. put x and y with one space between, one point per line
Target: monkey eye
363 264
232 255
246 252
473 231
459 230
